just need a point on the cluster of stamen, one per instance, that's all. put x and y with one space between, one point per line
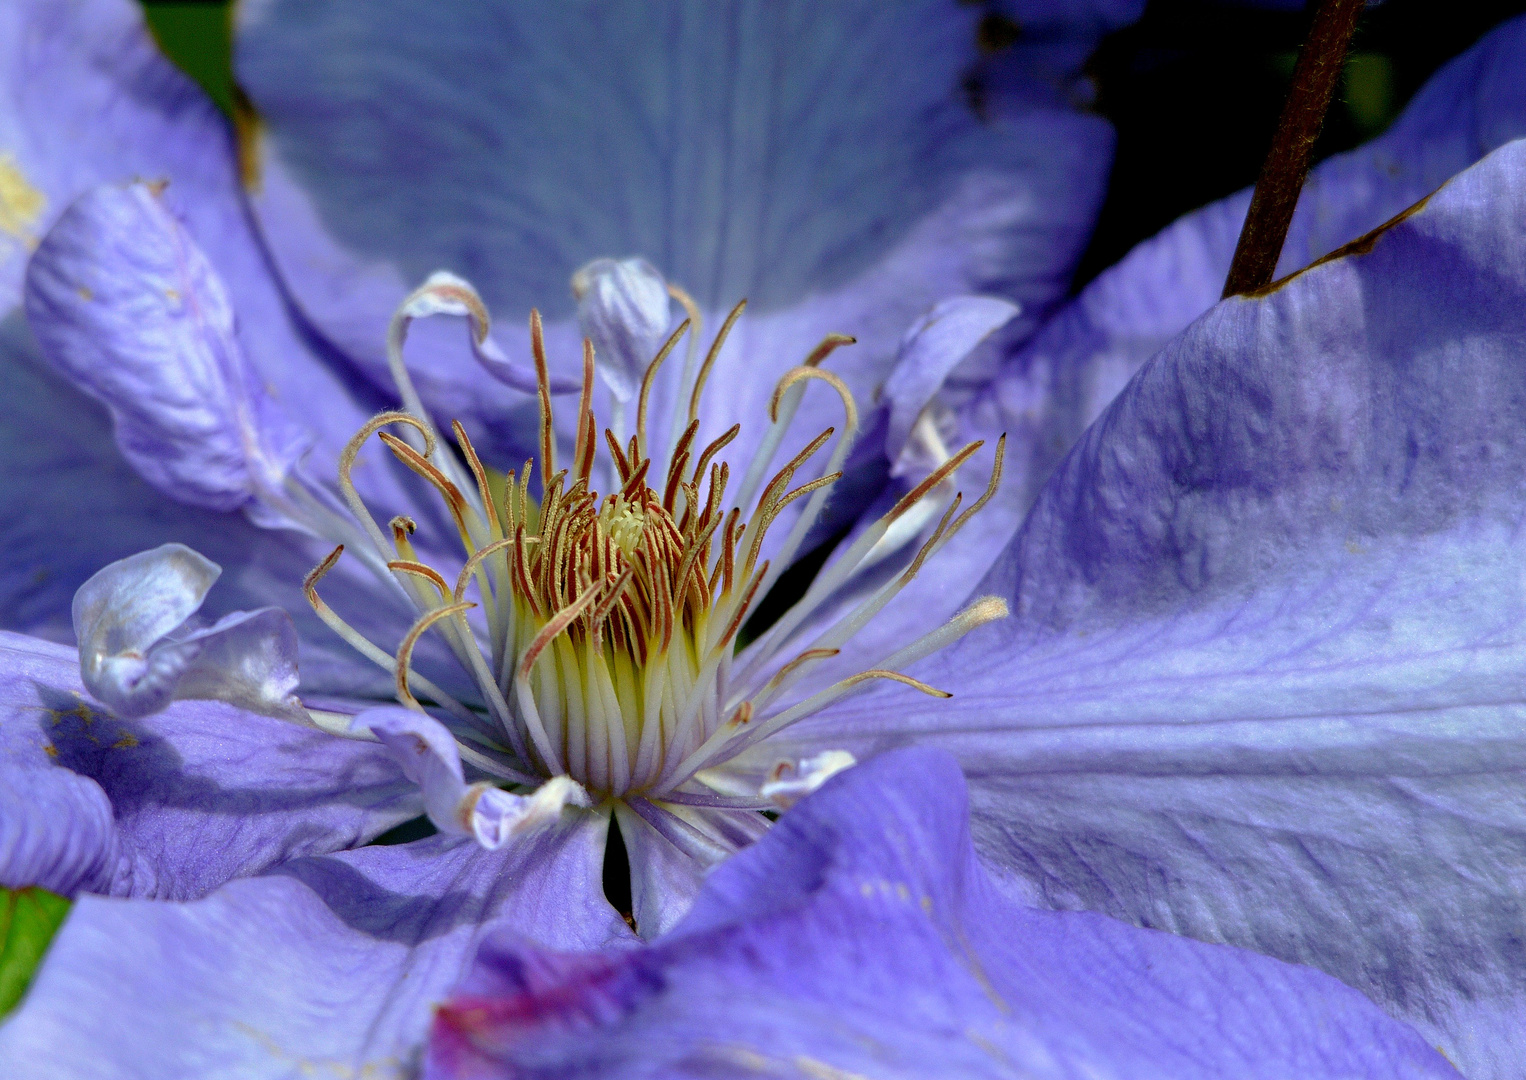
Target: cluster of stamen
611 622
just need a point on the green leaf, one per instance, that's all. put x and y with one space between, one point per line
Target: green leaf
28 920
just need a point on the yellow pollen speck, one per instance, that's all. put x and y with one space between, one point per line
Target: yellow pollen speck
20 203
126 742
80 711
85 294
50 750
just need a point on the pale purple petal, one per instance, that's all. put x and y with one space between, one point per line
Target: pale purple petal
623 309
331 963
126 305
1061 381
821 161
1262 682
664 880
932 348
860 937
174 804
138 653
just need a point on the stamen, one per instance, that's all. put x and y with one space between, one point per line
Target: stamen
582 461
715 350
543 396
782 411
454 500
612 619
361 644
481 476
691 353
420 570
405 650
347 464
646 385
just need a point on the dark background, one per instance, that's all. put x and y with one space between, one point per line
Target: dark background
1193 89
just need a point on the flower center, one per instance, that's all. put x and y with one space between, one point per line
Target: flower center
603 644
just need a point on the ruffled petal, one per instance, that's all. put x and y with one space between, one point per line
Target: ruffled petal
126 306
330 964
92 100
75 505
429 757
174 804
1262 683
861 937
137 652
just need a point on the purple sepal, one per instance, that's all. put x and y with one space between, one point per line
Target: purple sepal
128 308
862 937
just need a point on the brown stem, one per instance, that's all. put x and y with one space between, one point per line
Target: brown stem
1287 163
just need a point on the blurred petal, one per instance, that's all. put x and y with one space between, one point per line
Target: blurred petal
861 937
126 305
1262 683
820 160
623 310
329 965
173 804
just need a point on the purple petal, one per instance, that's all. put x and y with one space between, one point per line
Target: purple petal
1262 681
933 347
861 937
126 305
194 795
132 658
715 144
1063 379
334 963
664 880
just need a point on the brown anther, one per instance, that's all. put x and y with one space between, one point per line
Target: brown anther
829 344
715 350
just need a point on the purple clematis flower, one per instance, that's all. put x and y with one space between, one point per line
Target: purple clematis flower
158 300
1136 545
